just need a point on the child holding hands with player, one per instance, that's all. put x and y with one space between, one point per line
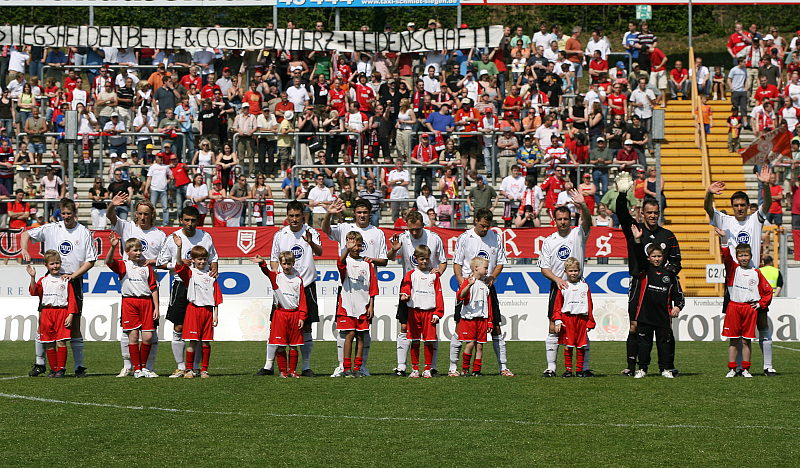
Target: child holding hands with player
476 315
356 302
57 309
139 301
204 296
290 312
421 288
572 313
749 293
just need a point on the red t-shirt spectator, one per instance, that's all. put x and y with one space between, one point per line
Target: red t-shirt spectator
617 100
207 92
777 196
254 99
769 93
599 66
511 101
737 42
187 82
627 156
15 207
656 57
364 96
552 186
679 75
179 173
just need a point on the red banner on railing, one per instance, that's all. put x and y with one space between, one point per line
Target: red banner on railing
232 242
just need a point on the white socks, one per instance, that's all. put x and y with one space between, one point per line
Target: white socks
126 354
340 347
765 343
365 354
551 350
178 349
305 350
271 350
435 354
402 351
77 351
586 356
455 349
499 345
151 359
39 352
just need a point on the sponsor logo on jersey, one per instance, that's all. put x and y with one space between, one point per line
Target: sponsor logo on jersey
144 245
297 251
483 254
65 248
665 279
414 262
563 252
743 238
363 246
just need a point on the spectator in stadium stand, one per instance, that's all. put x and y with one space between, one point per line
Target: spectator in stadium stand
143 123
424 154
544 134
679 81
399 180
245 125
600 157
482 196
775 215
627 156
701 77
507 146
512 188
169 128
239 192
597 66
574 50
180 180
119 185
375 197
156 185
115 128
792 90
737 79
640 137
440 123
186 115
658 70
7 166
765 118
36 126
166 97
766 92
642 101
19 211
789 115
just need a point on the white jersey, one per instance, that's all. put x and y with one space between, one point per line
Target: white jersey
287 291
470 245
74 245
136 280
288 240
477 303
55 291
556 250
423 290
408 243
742 232
152 240
200 290
745 286
374 239
357 284
169 252
576 298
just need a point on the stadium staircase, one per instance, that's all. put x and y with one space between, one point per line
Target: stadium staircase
681 166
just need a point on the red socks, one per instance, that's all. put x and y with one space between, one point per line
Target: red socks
348 363
568 358
415 355
206 357
144 353
133 350
732 365
189 360
465 358
359 360
746 365
293 360
280 354
476 366
61 357
52 359
428 355
581 357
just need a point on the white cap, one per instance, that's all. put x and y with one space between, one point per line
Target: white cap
483 72
288 115
769 37
628 142
123 156
113 155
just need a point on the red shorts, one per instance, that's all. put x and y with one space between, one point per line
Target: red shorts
137 312
420 326
283 329
573 331
740 321
347 323
473 329
51 324
198 323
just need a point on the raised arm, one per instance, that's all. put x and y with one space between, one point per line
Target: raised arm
586 216
708 204
763 177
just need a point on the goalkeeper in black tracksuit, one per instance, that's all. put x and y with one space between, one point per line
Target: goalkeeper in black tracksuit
652 234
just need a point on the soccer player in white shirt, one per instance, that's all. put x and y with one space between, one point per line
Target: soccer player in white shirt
73 241
152 240
304 243
566 242
374 250
178 301
744 228
480 242
403 246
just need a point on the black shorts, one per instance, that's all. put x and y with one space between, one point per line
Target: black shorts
469 145
496 316
402 312
551 300
312 303
177 303
77 290
633 298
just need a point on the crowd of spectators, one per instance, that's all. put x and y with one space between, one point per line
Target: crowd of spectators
443 132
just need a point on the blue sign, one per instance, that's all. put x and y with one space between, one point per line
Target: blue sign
363 3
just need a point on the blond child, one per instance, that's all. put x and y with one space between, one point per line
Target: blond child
572 314
476 316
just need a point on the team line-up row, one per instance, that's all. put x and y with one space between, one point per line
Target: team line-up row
655 292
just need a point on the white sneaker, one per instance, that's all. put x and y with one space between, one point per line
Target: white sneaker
365 371
414 374
746 373
427 374
138 374
667 374
149 374
124 372
731 374
639 374
338 372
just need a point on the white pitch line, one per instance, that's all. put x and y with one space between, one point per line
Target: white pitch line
388 418
786 347
14 377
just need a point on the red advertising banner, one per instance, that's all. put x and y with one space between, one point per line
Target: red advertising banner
236 242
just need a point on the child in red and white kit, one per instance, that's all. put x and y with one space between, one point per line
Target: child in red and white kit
422 290
572 313
204 296
57 309
290 313
749 293
476 315
139 301
356 302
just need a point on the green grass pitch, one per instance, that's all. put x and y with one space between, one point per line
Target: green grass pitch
235 418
